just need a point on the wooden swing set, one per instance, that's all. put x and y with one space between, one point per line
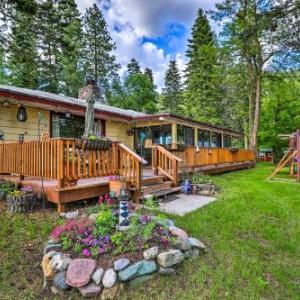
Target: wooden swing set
292 157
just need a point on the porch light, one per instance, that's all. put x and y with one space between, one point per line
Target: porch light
21 114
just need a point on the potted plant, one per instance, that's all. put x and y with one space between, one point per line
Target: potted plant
116 183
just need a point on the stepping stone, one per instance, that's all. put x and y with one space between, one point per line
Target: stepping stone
80 271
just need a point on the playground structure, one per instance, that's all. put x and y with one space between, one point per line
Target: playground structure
292 157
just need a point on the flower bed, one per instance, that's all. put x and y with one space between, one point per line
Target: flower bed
90 254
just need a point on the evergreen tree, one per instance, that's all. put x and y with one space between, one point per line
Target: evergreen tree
22 52
48 29
202 87
148 72
99 60
133 67
70 40
172 92
3 75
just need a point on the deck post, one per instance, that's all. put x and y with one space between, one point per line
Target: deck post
195 136
175 170
174 135
155 160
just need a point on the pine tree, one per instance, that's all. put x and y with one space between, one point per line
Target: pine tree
202 95
99 60
133 67
48 29
172 92
148 72
3 75
70 42
22 51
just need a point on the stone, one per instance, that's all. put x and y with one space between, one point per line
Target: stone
197 244
121 264
59 281
97 276
170 258
182 244
52 247
112 293
79 271
166 271
139 281
140 268
60 262
47 268
194 252
72 214
109 278
55 291
90 290
52 253
178 232
151 253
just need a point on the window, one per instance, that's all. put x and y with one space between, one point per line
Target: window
216 140
185 135
72 127
162 135
203 138
227 141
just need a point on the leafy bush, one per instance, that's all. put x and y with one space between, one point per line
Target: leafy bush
105 221
200 178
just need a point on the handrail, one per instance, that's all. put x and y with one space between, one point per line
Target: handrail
165 162
139 158
167 153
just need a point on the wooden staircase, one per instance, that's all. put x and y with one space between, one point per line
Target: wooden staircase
159 186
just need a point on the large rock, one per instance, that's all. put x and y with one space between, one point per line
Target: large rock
166 271
59 281
178 232
112 293
72 214
170 258
97 276
182 244
109 278
197 244
47 267
121 264
90 290
60 262
80 271
139 281
140 268
151 253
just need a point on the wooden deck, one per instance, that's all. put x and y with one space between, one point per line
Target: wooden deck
72 174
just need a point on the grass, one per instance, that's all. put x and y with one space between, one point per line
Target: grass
252 233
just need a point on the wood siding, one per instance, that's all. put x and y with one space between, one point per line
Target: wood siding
117 131
12 127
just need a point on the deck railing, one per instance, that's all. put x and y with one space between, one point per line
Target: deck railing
165 162
60 159
193 157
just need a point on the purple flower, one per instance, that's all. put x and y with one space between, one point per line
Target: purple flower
86 252
144 219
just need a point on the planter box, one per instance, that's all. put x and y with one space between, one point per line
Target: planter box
85 144
116 185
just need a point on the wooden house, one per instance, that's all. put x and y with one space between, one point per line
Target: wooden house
164 143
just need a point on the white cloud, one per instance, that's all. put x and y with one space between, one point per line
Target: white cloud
137 19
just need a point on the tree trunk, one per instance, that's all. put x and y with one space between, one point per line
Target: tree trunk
89 113
253 136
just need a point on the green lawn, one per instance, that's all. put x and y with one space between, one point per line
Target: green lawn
252 233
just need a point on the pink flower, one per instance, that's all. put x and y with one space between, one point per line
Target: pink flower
86 252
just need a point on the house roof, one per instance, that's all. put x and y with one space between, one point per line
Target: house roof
67 100
50 99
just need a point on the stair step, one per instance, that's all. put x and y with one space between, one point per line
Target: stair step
151 188
152 180
166 192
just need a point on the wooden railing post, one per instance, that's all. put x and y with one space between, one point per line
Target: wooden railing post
61 165
155 160
175 171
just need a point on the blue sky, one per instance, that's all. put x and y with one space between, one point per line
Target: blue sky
152 31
